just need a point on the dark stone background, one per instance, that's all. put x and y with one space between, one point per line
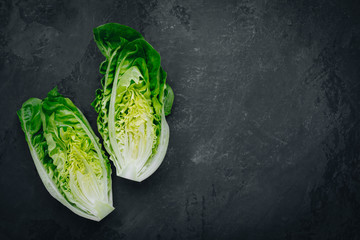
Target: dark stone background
265 134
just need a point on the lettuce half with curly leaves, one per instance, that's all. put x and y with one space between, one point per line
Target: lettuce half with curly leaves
133 102
67 155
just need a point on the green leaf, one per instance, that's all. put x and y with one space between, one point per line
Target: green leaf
169 99
111 36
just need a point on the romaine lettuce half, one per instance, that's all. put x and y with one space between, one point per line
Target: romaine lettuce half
67 155
133 102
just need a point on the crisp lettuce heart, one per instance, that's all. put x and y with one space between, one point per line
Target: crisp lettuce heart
133 102
67 155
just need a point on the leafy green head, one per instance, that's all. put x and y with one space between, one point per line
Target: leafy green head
67 155
133 101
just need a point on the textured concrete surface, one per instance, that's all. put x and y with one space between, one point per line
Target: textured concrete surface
265 133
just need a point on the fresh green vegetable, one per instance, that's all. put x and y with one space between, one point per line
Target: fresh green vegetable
67 155
133 102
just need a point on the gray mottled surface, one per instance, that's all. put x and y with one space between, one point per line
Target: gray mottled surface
265 134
